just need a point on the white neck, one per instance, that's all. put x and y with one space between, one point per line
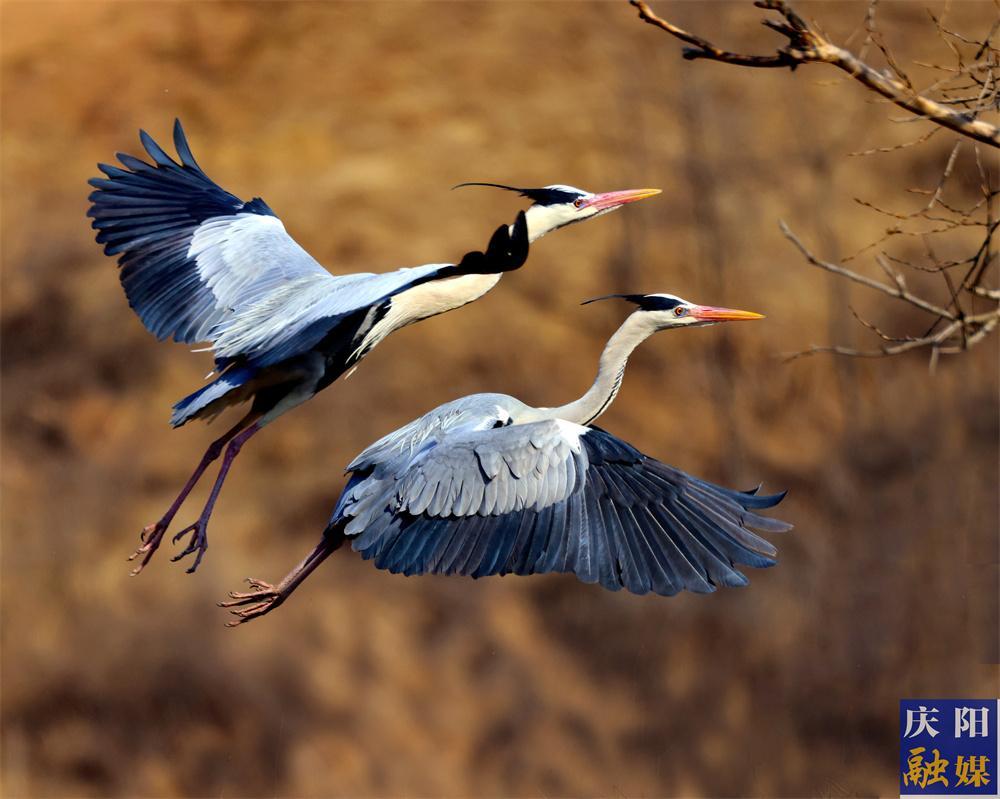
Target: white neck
542 219
425 300
634 330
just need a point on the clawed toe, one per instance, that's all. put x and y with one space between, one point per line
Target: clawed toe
247 614
142 550
258 590
261 598
150 538
196 546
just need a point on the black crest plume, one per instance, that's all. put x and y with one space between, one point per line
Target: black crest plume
647 302
542 196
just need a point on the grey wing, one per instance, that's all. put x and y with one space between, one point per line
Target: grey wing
191 253
555 497
295 316
199 264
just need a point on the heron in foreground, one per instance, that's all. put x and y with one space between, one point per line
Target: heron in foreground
198 264
488 485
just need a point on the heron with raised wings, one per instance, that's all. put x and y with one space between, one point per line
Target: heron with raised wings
488 485
198 264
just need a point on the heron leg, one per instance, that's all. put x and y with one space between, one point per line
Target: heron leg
152 534
263 597
198 531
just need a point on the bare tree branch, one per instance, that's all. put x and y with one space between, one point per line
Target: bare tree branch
893 291
937 342
704 49
885 350
807 45
960 333
990 294
953 324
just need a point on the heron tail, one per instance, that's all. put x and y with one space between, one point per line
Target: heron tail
215 397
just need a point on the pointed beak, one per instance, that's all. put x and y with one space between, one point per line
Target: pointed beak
709 313
614 199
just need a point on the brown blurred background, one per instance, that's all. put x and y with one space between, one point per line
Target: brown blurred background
352 121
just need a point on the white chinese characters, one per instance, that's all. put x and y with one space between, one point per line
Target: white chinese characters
973 720
920 720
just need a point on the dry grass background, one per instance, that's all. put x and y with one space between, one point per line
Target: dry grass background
352 120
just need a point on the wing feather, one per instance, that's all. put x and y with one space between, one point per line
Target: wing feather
551 497
198 263
152 216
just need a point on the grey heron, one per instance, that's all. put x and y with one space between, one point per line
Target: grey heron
198 264
488 485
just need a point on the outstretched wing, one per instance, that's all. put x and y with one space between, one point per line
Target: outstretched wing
296 316
190 252
555 497
200 264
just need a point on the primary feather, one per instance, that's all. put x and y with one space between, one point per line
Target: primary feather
453 493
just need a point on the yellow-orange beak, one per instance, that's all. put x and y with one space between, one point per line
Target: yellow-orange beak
614 199
709 313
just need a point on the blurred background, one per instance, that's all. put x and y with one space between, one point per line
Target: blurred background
352 121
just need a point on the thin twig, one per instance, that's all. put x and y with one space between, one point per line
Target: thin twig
937 342
892 291
895 147
883 351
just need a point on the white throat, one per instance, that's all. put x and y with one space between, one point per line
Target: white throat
542 219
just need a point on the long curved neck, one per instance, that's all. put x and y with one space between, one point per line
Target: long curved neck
610 372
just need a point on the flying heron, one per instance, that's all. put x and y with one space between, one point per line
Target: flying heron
488 485
198 264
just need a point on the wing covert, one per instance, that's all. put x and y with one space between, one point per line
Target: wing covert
190 252
297 315
555 497
199 264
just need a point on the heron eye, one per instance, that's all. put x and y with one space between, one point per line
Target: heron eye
578 202
680 310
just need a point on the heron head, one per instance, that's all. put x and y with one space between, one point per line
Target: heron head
556 206
664 311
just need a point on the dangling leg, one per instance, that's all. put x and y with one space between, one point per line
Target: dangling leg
199 530
152 534
264 597
269 403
